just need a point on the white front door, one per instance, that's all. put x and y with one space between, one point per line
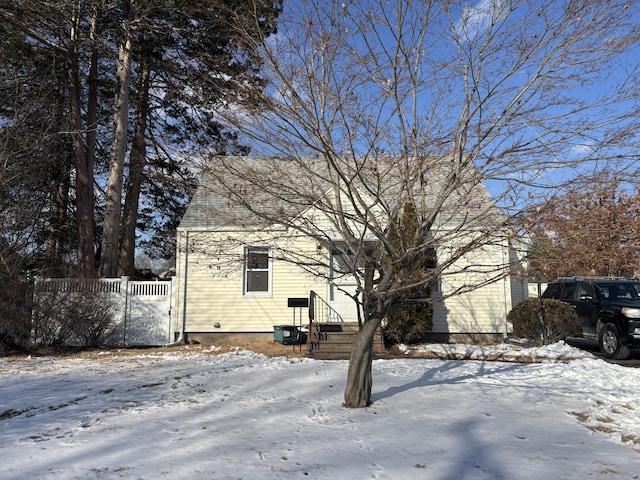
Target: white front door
342 287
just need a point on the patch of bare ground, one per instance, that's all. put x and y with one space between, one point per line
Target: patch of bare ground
271 349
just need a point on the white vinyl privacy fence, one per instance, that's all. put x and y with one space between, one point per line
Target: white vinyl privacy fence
140 311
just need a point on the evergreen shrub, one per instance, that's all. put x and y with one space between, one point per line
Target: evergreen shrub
409 322
411 316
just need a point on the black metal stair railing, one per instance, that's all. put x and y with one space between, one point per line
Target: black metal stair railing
320 312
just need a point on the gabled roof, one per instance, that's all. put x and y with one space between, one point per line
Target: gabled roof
255 192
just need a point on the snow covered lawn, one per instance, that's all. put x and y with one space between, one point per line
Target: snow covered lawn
194 413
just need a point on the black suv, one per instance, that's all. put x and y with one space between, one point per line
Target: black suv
608 310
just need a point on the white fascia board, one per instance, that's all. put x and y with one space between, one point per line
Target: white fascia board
232 229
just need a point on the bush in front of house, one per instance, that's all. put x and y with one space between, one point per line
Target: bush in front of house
81 319
543 325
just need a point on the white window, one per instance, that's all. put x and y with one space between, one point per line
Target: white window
257 271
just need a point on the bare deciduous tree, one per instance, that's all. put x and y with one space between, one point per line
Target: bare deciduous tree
591 229
376 103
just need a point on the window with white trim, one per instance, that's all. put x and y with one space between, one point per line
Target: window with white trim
257 271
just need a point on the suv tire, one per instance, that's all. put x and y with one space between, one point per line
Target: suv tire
610 344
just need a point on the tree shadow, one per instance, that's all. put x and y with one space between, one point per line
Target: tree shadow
427 378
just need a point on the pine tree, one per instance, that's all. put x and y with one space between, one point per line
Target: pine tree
411 316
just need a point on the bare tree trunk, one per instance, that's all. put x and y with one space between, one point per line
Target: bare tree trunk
137 162
84 174
111 226
59 182
357 393
92 100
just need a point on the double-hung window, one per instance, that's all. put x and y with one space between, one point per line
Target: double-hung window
257 271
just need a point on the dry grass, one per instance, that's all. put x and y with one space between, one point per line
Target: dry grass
271 349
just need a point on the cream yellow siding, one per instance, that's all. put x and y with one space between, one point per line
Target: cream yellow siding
482 309
214 300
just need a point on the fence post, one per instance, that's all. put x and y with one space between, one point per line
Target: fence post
173 322
124 290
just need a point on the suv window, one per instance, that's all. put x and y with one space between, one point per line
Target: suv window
586 290
569 292
615 291
553 290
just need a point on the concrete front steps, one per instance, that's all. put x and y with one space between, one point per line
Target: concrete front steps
332 341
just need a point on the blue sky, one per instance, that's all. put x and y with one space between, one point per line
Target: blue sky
562 118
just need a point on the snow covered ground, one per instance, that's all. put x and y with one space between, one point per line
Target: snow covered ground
194 413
